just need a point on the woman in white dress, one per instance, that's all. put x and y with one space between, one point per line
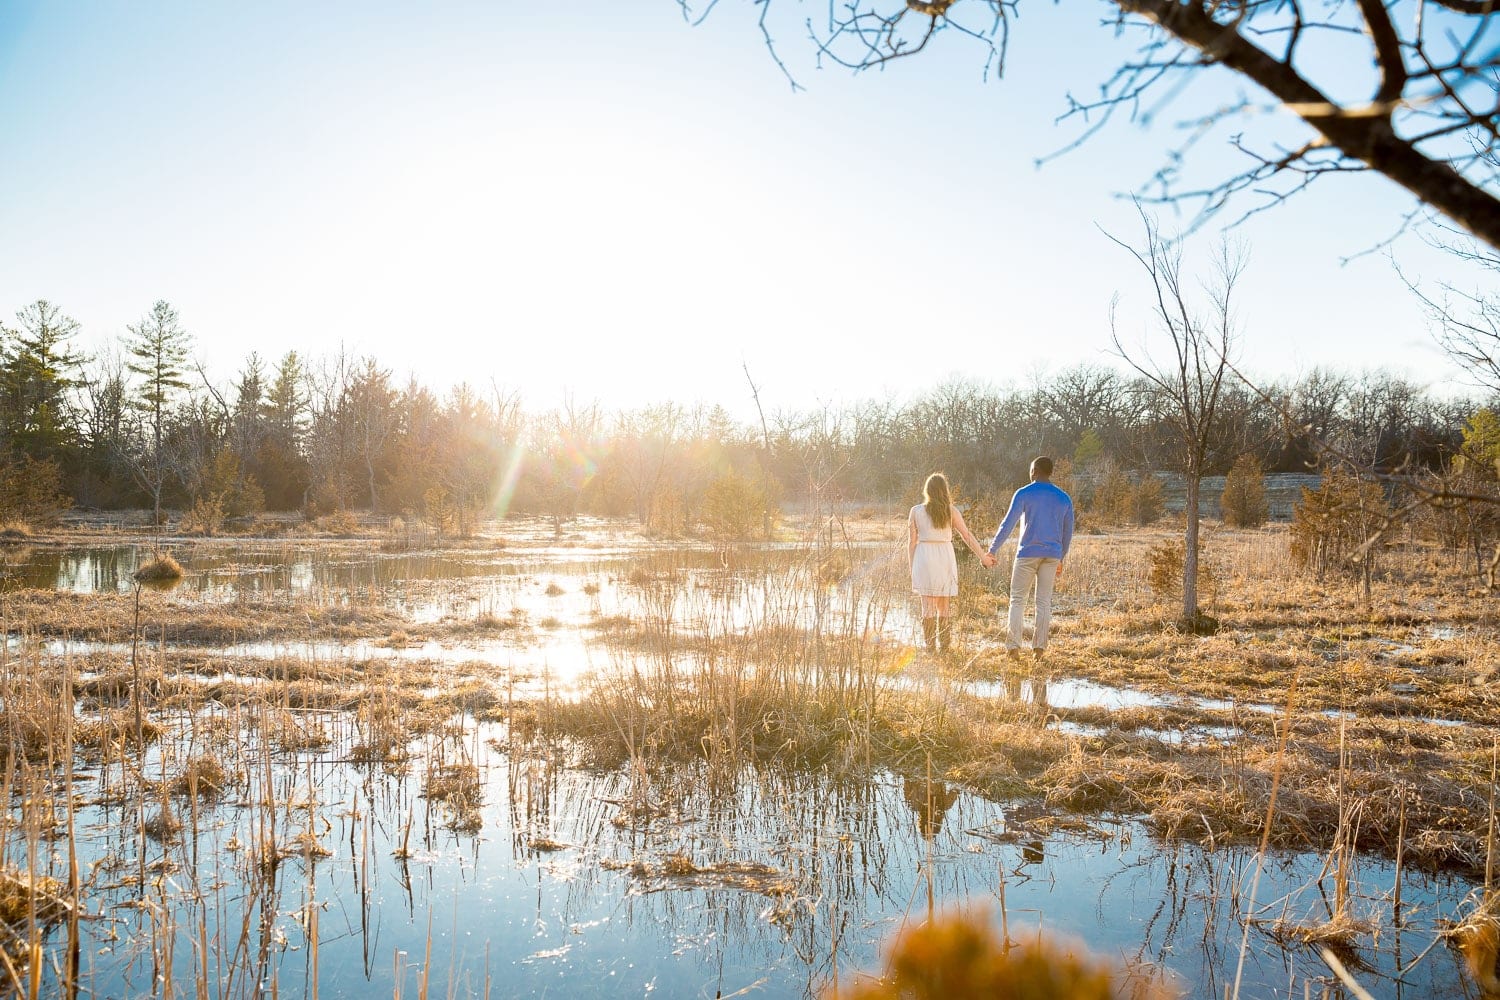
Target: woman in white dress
934 568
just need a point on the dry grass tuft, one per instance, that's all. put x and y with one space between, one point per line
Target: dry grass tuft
204 777
163 825
679 871
20 893
1339 933
457 787
15 532
1477 938
961 956
30 731
340 522
162 570
114 729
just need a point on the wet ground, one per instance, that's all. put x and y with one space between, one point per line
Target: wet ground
546 875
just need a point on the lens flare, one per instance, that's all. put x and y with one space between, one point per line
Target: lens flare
506 487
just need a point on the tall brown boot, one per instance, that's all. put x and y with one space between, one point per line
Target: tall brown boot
929 633
944 634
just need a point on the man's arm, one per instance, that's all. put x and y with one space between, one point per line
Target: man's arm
1067 532
1012 515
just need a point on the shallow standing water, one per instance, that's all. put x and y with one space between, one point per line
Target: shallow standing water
628 881
565 890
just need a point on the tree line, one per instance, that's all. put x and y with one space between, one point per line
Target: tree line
140 424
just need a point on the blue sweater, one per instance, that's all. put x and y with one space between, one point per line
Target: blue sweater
1046 517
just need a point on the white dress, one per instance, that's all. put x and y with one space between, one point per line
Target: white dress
934 567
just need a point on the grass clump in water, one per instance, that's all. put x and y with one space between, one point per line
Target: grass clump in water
962 956
203 777
163 570
457 787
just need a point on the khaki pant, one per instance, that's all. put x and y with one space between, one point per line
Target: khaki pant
1040 571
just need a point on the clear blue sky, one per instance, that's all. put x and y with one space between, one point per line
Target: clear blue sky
596 198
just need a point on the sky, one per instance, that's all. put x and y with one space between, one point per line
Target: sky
599 201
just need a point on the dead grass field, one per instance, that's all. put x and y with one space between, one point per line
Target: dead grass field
1374 725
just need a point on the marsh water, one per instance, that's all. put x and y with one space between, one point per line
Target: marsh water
332 872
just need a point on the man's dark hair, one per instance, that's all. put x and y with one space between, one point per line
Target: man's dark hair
1041 468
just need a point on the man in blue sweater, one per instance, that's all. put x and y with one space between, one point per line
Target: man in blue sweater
1045 514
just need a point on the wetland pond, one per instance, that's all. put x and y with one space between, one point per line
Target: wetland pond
354 842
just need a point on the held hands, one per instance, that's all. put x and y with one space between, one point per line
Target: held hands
989 560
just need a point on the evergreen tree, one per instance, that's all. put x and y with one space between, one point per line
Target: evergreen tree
286 403
280 464
157 351
38 370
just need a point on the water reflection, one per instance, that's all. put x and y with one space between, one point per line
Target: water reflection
930 801
652 877
1032 688
659 877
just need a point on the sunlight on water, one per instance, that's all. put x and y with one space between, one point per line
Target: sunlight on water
551 872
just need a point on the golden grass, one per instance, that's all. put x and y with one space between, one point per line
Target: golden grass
682 686
203 776
962 957
458 788
1477 939
22 894
680 871
163 825
184 620
162 569
782 693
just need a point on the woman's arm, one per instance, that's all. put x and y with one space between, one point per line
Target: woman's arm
968 536
911 538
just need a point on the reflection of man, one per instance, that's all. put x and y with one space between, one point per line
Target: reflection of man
1045 515
930 800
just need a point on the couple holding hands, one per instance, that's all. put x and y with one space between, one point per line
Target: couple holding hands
1045 515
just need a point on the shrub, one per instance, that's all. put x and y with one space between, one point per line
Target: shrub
1243 504
734 508
204 517
1112 498
1335 525
31 491
222 490
439 510
1146 502
340 522
1165 572
1166 568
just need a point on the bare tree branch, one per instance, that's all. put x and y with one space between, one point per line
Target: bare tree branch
1431 123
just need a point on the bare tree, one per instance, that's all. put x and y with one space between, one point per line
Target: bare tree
1189 386
1428 117
329 436
1466 321
370 400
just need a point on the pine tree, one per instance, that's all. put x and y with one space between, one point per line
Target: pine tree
38 370
157 351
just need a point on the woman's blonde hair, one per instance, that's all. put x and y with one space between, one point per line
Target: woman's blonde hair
937 500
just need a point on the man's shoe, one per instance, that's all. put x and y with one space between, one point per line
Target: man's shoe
1013 652
1038 652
